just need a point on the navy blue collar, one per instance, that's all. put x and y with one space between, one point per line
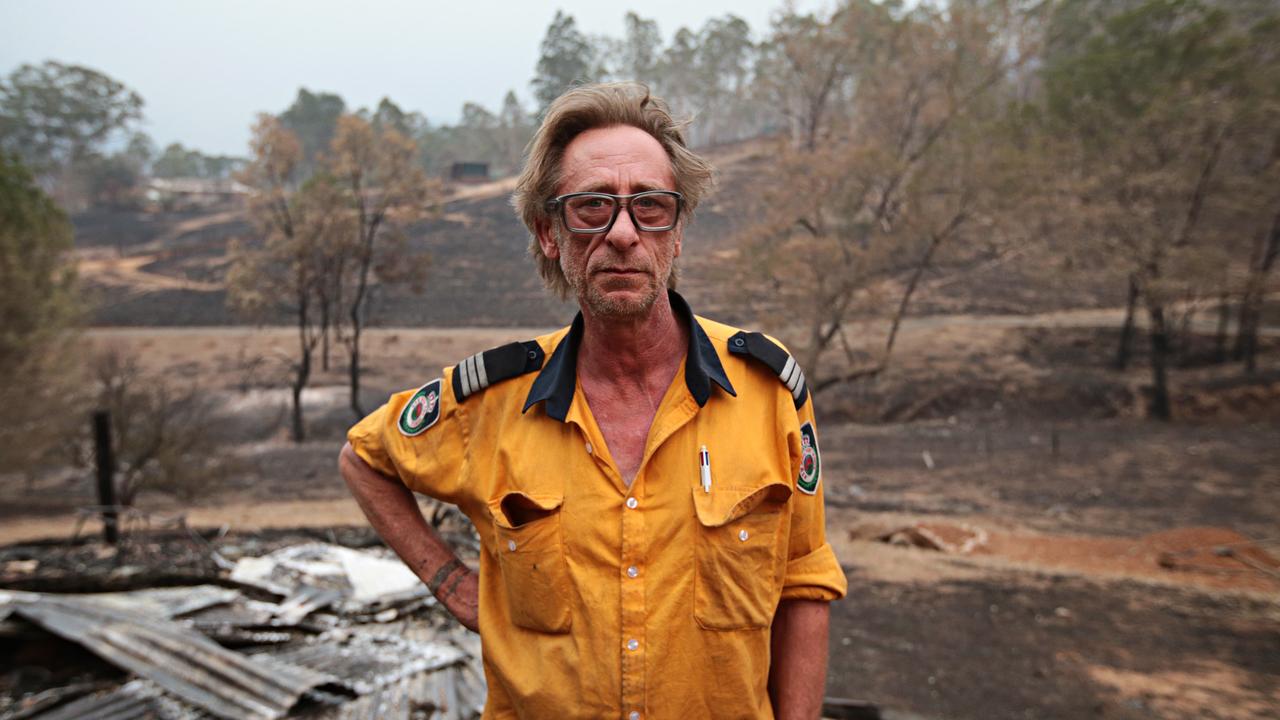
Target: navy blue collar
555 383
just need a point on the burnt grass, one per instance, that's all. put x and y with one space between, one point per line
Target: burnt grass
1110 477
1009 646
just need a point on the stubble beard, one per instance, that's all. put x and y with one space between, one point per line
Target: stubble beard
600 303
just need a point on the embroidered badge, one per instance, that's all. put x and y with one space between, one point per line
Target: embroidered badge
422 410
810 461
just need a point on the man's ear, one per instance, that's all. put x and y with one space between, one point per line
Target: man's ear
679 232
546 239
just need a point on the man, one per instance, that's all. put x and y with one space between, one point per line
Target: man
645 483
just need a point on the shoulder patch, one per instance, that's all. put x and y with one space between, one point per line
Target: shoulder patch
493 366
762 349
810 461
422 411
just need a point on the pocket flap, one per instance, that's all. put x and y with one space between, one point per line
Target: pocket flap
515 509
722 506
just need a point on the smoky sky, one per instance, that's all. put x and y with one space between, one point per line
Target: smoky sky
206 69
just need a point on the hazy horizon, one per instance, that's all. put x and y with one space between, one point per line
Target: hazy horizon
205 71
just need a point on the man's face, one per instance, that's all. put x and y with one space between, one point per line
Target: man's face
621 273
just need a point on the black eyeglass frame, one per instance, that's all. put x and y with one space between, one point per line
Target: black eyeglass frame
558 203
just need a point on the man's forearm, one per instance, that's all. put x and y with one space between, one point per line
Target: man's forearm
394 514
798 669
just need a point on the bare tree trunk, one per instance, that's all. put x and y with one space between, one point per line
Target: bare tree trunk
324 334
355 369
1246 348
368 224
1182 340
1159 332
1125 351
912 284
298 429
1224 323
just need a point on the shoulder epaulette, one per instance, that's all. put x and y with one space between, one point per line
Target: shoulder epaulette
755 345
493 366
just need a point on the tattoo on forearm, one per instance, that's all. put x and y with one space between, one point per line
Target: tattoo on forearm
443 574
452 583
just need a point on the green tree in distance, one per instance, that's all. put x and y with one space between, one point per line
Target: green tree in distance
313 118
566 57
640 50
390 115
515 127
53 114
38 311
178 161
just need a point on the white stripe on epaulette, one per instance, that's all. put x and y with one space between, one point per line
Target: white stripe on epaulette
472 375
793 377
480 374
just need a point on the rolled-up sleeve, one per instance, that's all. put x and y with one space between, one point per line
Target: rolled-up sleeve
430 462
813 573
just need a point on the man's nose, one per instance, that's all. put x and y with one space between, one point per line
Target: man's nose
623 234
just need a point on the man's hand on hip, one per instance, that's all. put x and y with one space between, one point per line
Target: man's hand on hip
457 587
394 513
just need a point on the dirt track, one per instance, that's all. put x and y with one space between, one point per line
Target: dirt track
243 516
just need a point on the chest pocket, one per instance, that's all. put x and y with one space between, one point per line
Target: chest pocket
530 549
739 558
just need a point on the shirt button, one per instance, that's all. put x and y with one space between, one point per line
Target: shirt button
633 715
633 644
742 535
632 503
511 544
590 449
633 571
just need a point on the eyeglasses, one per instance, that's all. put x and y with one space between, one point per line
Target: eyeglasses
593 212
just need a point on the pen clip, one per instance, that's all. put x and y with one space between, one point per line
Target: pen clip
704 468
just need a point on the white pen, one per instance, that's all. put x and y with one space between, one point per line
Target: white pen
704 466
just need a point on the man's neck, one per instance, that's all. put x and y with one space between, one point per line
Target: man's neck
642 350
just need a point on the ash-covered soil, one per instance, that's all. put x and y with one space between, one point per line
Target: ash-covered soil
1016 645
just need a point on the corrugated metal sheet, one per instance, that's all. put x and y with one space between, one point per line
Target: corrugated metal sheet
175 657
136 700
252 622
456 692
359 581
169 602
365 662
32 705
444 694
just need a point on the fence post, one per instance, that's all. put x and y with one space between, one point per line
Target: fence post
106 475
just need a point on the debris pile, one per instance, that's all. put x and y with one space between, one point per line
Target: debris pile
311 630
956 540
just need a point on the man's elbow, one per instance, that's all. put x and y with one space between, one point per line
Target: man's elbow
345 456
352 468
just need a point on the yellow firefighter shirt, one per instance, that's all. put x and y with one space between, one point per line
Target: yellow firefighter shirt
603 601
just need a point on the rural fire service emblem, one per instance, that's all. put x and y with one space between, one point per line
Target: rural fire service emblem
422 410
810 462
